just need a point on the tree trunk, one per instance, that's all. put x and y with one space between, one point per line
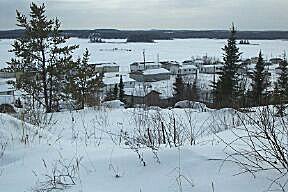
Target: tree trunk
44 80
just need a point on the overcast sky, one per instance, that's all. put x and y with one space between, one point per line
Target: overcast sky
157 14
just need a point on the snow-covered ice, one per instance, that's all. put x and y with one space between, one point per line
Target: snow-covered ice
175 50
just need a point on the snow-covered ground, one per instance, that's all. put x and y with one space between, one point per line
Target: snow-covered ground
89 141
178 49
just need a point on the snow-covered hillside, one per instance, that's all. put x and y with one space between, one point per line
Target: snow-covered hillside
87 146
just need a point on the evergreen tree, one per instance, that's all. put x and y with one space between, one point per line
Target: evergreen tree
195 92
87 83
281 87
121 90
226 90
187 92
260 81
41 56
110 95
178 87
115 92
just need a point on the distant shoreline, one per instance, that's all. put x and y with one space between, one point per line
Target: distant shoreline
162 34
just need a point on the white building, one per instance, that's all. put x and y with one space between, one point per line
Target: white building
187 69
172 66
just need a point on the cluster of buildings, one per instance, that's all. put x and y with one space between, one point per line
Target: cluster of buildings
144 75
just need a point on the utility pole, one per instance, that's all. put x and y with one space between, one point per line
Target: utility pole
144 59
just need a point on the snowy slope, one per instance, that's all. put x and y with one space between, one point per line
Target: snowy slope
83 137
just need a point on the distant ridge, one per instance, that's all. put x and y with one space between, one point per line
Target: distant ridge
162 34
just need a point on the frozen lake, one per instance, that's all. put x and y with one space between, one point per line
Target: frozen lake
179 50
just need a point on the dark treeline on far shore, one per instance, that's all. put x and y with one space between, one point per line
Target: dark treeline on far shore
161 34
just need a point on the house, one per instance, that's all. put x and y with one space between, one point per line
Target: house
111 79
250 69
276 60
254 60
211 69
7 75
188 62
199 62
27 75
152 98
7 93
187 69
150 75
172 66
141 66
104 67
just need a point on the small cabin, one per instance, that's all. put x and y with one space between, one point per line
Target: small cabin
211 69
141 66
104 67
151 98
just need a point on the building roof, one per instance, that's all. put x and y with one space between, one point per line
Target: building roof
104 64
146 63
208 66
112 80
169 62
188 67
155 71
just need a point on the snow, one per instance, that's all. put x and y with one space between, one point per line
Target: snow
115 104
191 104
103 64
188 67
88 136
211 66
112 80
155 71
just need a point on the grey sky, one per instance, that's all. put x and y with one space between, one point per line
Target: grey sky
157 14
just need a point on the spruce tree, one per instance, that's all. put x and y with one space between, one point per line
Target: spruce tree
121 89
195 92
281 87
115 92
87 83
178 87
41 56
260 81
110 95
226 89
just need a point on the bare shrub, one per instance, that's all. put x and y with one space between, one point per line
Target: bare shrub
35 114
261 144
62 174
3 146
